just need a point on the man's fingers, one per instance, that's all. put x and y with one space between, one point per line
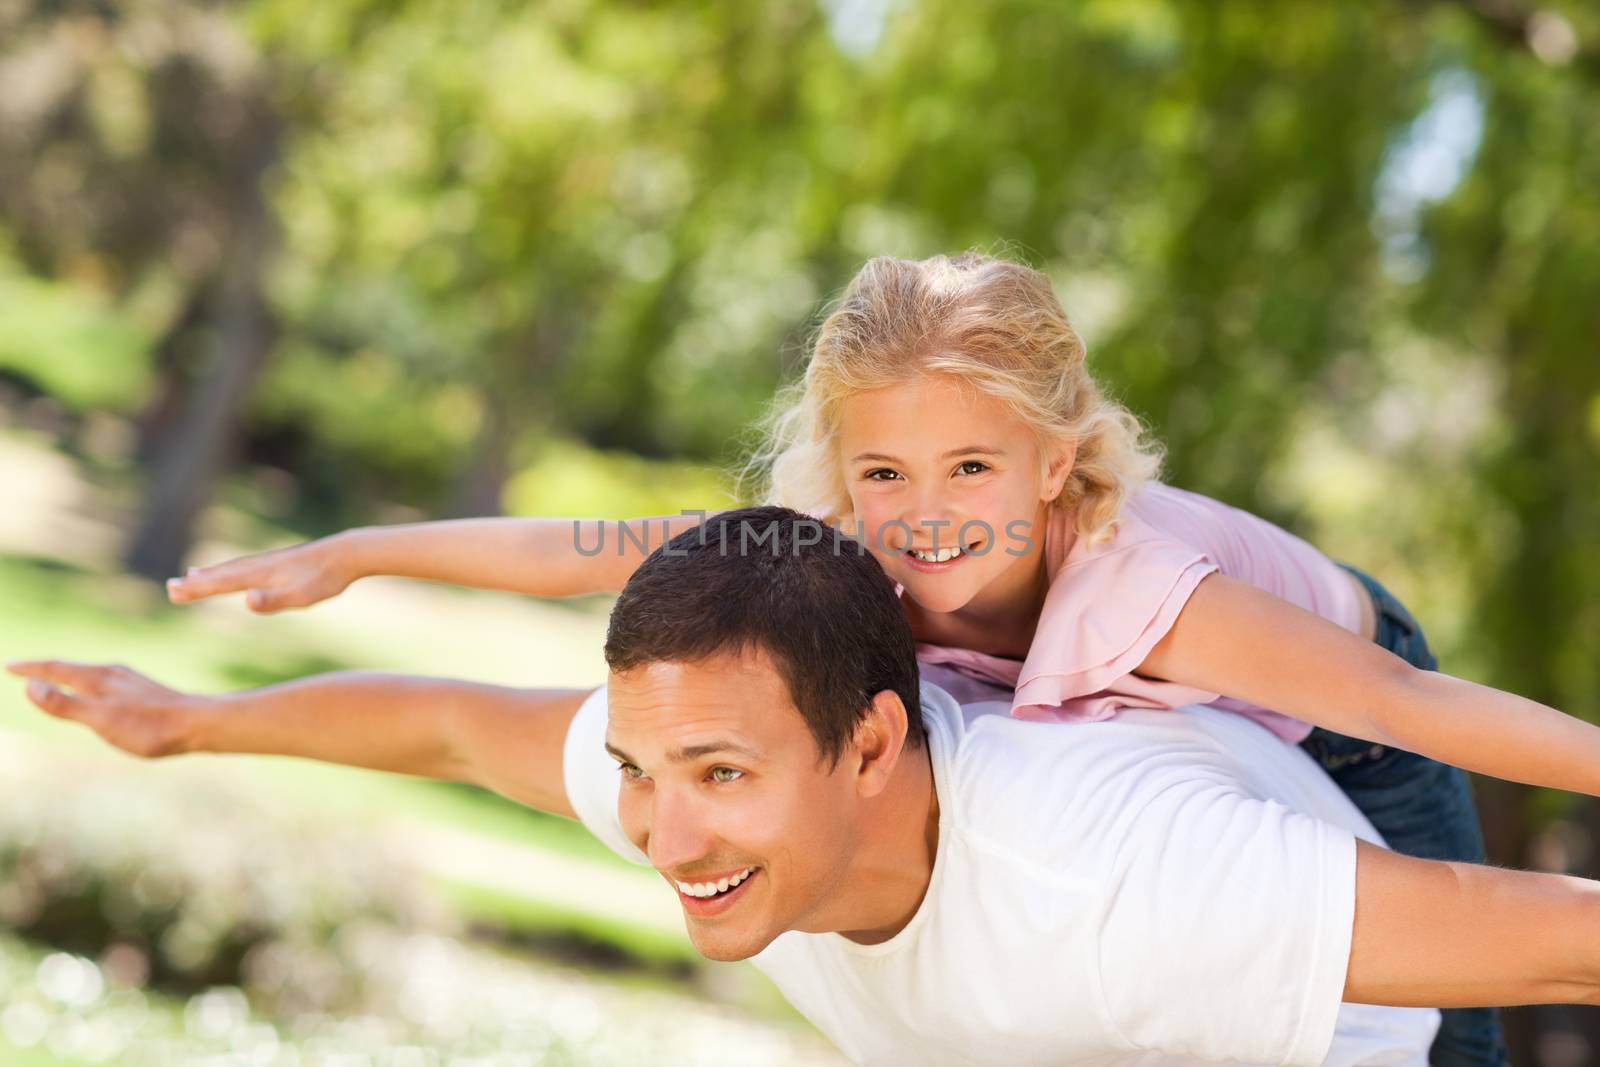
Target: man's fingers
56 702
88 677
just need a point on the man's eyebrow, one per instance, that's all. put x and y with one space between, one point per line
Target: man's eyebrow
969 450
693 752
689 753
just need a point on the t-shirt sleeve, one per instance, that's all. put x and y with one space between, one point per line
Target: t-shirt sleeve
592 779
1226 935
1102 616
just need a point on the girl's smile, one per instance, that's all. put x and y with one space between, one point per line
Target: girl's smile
935 561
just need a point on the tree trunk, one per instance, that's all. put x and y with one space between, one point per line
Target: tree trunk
196 452
515 396
174 363
480 488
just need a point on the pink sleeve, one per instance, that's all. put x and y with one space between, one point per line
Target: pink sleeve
1103 614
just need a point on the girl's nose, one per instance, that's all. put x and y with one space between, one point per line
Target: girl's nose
929 515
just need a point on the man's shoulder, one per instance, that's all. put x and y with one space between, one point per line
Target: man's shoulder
1059 790
985 744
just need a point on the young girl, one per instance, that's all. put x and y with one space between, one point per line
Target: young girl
946 418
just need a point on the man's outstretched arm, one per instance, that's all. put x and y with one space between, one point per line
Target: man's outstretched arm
1457 935
504 739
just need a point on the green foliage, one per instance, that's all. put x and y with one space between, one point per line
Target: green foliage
71 344
501 232
568 479
1514 267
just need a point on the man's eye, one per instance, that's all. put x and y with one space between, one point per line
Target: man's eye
630 772
726 774
982 466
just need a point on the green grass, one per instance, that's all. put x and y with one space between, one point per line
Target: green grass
55 609
12 1056
632 953
585 934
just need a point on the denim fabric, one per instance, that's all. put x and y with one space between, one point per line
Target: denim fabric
1422 808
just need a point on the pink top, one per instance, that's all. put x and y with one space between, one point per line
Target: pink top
1107 607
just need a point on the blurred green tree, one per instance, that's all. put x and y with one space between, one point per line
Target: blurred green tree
134 149
465 234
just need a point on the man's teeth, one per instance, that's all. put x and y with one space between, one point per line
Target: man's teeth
711 889
940 556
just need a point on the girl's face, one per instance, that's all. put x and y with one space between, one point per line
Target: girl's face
948 489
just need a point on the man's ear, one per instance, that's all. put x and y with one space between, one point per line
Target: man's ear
1063 455
880 738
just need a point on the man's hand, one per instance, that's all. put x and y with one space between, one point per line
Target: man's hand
294 577
504 739
124 707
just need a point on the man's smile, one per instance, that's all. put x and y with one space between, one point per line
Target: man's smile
705 899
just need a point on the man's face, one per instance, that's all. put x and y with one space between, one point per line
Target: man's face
722 779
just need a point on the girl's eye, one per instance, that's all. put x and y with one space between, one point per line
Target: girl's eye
717 774
872 475
982 466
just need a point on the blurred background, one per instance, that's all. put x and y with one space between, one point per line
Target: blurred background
272 268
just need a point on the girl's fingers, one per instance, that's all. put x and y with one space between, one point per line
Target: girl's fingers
88 677
209 581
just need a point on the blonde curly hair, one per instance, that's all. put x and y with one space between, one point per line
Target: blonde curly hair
989 322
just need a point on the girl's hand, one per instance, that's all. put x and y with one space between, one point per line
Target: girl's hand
294 577
124 707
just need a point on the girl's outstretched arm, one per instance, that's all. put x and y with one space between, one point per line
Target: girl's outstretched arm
539 557
1235 639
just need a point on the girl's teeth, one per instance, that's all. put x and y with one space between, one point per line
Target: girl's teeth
936 557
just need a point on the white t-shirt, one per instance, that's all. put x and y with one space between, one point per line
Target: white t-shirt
1162 888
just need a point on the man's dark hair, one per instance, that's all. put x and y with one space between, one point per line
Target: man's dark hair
814 600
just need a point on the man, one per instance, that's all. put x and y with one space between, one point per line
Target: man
929 883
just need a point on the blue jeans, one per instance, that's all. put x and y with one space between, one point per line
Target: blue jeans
1422 808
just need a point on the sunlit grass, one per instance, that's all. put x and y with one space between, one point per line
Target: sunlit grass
19 1057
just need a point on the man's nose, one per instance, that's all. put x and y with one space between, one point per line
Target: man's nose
678 834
